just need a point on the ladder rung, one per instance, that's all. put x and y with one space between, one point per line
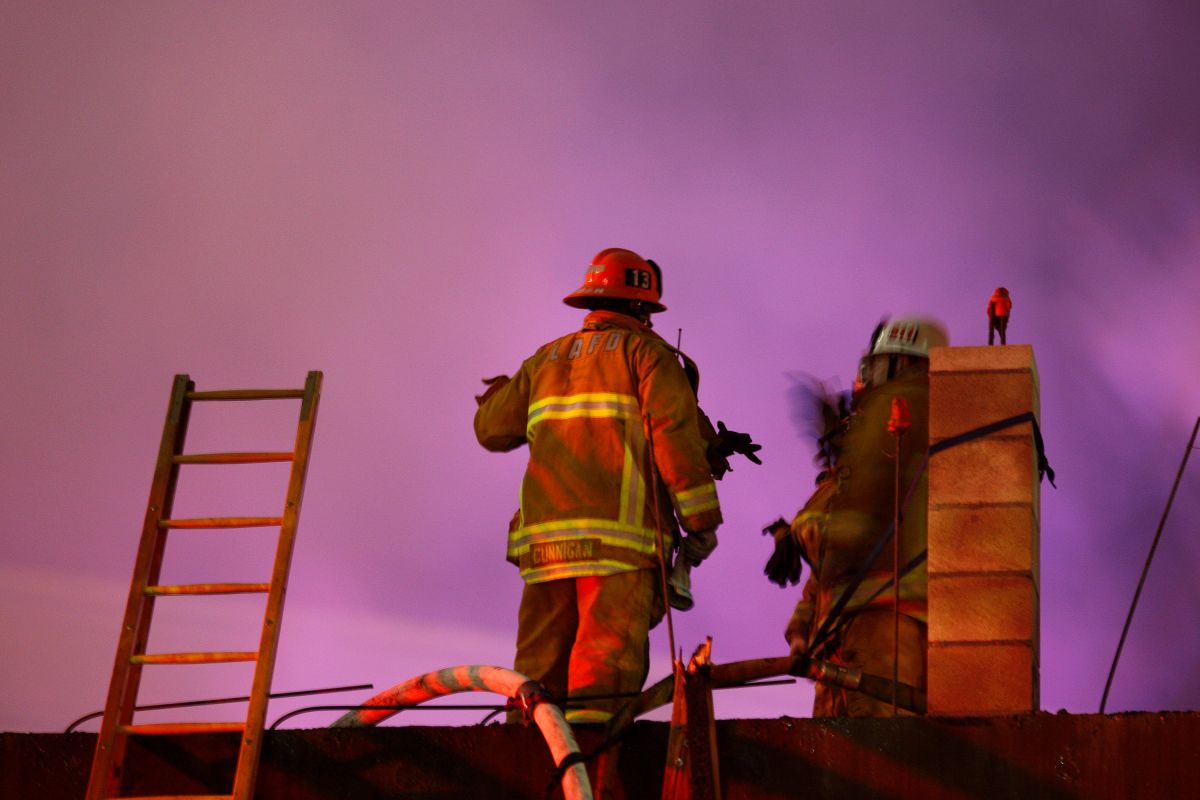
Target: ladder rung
192 658
221 522
232 458
246 394
177 728
173 797
208 588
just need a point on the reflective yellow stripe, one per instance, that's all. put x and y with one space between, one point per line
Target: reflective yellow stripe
584 525
613 534
520 545
583 397
587 715
633 482
587 404
700 498
581 570
626 482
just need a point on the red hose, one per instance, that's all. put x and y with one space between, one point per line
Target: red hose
478 678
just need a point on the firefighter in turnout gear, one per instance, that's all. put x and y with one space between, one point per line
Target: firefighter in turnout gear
999 309
593 406
849 513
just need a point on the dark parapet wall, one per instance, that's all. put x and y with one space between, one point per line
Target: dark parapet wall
1038 755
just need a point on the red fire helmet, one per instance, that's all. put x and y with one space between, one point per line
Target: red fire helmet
622 274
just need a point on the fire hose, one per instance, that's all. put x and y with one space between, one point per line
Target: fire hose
478 678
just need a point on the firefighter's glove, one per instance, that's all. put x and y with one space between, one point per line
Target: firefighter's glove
787 560
699 546
679 586
730 442
493 385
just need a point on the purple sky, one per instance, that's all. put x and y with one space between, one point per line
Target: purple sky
400 194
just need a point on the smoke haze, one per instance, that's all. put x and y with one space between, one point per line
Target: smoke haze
401 194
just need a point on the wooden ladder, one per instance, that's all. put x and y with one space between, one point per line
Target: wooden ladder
117 726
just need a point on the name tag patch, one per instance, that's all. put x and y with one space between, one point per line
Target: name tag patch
546 553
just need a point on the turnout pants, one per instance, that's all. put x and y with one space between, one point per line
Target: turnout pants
866 642
588 636
998 325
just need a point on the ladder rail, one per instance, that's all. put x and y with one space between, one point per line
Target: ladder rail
105 777
248 755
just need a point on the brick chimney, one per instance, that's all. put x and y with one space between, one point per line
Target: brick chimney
983 534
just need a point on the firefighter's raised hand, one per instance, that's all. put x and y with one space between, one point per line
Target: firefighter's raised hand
494 385
735 442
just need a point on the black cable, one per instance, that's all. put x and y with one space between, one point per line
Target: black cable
220 700
308 709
